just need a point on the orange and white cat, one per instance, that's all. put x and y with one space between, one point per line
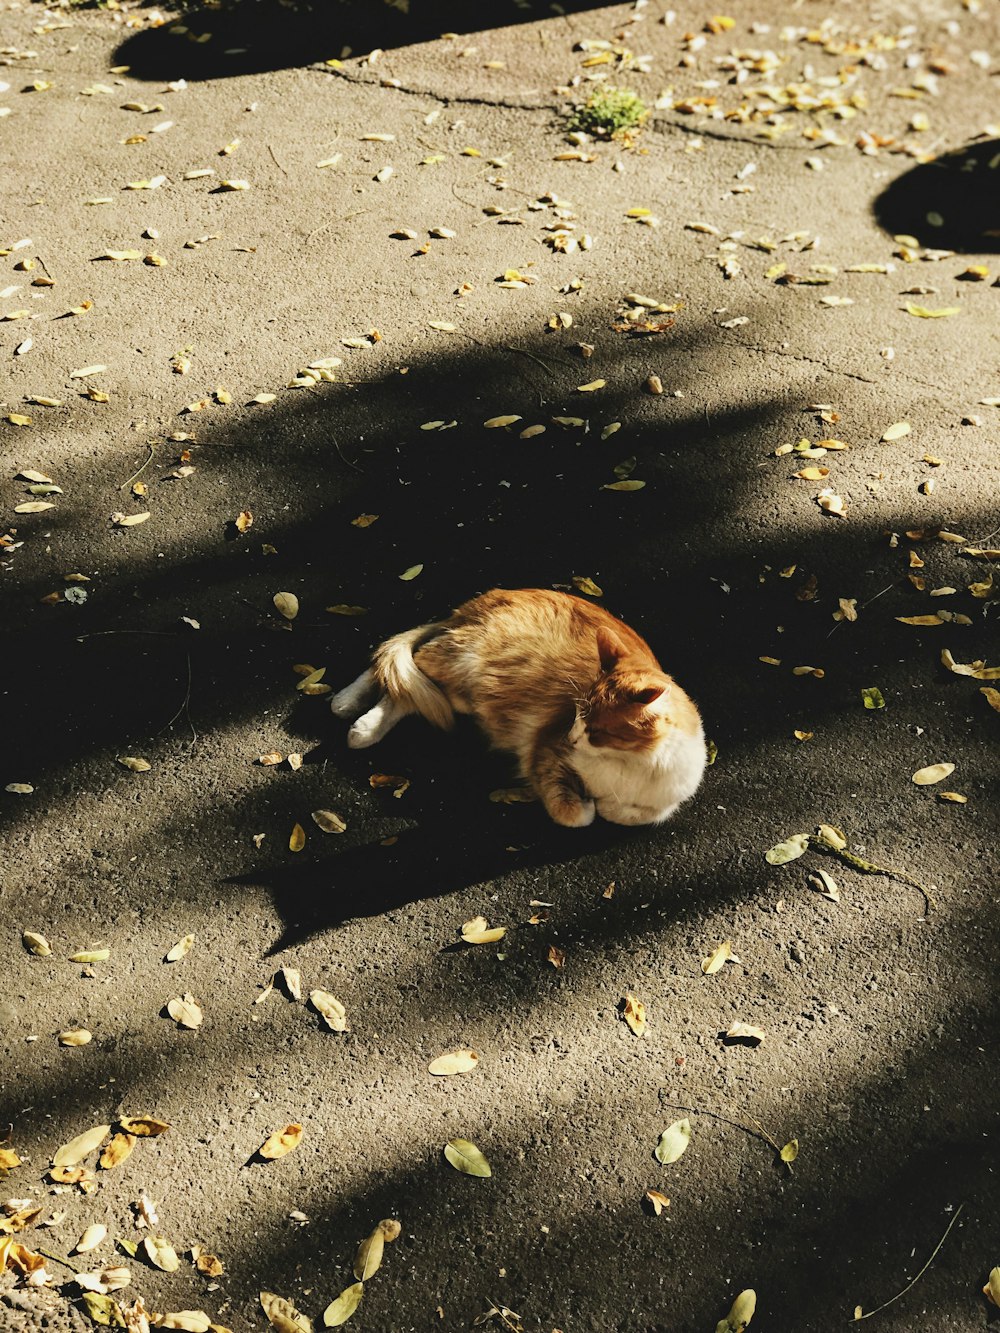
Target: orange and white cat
597 726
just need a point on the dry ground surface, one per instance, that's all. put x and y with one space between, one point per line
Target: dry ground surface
456 289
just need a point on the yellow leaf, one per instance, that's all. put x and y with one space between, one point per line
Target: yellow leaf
411 573
790 1151
328 822
133 764
76 1037
673 1142
129 520
33 507
344 609
922 312
740 1315
454 1062
90 1239
896 431
633 1011
286 604
143 1126
180 950
789 850
330 1009
368 1259
281 1142
920 620
494 423
952 797
717 958
587 585
592 387
623 486
36 944
364 520
478 931
464 1156
118 1149
745 1032
185 1012
283 1314
992 697
297 839
340 1310
72 1153
8 1160
659 1201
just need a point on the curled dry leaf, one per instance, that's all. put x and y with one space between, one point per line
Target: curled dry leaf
72 1153
90 1239
717 959
673 1142
133 764
556 956
292 979
633 1011
328 821
391 1229
368 1259
8 1159
587 585
143 1126
831 835
188 1321
210 1265
90 956
478 931
454 1062
185 1012
243 520
286 604
978 670
283 1314
464 1156
926 777
160 1253
745 1032
789 850
740 1315
952 797
339 1311
991 696
657 1201
104 1280
36 944
825 884
180 950
281 1143
330 1009
118 1149
872 698
992 1288
75 1037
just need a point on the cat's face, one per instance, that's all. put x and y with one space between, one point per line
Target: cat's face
625 710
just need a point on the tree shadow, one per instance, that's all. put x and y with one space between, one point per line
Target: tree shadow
949 203
243 37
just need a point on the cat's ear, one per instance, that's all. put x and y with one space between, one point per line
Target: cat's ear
609 650
648 695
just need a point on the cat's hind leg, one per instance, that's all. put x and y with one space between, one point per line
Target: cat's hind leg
351 700
373 725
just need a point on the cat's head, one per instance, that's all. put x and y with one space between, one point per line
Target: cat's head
632 703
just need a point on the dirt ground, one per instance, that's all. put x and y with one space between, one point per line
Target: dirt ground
786 156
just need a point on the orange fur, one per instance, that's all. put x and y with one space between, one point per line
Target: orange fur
574 693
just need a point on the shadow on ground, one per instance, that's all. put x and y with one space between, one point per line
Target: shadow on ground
252 36
952 202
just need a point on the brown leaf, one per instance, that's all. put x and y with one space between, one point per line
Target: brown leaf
658 1201
118 1149
633 1011
143 1126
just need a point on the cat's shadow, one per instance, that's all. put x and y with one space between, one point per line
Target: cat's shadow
453 837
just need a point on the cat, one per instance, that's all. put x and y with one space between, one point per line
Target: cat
575 694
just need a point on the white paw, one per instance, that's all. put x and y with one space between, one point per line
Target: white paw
616 813
366 731
584 816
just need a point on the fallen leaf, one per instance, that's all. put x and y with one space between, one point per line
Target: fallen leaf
339 1311
90 1239
330 1009
790 1151
659 1201
297 838
328 821
920 620
286 604
623 486
130 520
478 931
368 1259
8 1160
831 504
185 1012
281 1142
283 1314
466 1157
188 1321
717 958
454 1062
745 1032
104 1280
831 835
411 573
978 670
871 697
896 431
587 585
180 950
103 1309
952 797
922 311
513 796
992 1288
740 1315
36 944
926 777
789 850
143 1126
33 506
633 1011
90 956
72 1153
161 1254
391 1229
208 1264
673 1142
133 764
826 885
992 697
118 1149
556 956
75 1037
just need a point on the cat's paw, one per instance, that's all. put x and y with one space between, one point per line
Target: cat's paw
344 704
631 815
573 813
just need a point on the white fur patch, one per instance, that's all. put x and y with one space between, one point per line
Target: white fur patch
639 787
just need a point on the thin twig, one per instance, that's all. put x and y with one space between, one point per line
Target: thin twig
184 708
913 1282
889 588
275 160
759 1133
336 445
56 1260
149 459
524 352
500 1311
100 633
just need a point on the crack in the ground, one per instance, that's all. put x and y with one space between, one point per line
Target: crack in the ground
446 99
836 370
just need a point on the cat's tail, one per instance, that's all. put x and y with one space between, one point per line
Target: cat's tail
400 677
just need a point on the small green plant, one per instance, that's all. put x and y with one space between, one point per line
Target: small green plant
610 113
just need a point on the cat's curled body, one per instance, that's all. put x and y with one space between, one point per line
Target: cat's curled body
575 694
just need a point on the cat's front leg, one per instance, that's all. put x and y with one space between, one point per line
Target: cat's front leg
559 787
351 700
